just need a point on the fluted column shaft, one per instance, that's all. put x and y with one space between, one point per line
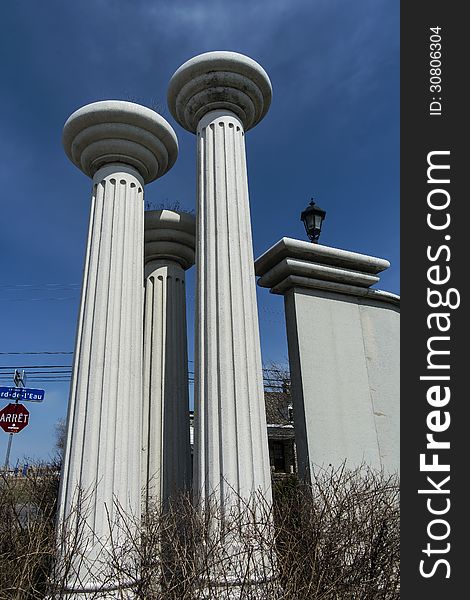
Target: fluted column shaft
102 456
166 403
121 145
231 447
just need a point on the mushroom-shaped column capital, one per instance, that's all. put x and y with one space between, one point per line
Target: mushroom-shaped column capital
170 235
115 131
219 81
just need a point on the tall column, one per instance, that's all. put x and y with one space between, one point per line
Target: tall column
169 251
218 96
122 146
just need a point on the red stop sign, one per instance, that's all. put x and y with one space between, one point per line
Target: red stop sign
14 418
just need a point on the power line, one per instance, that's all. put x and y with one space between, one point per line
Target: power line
68 370
38 299
6 382
29 373
265 369
37 285
38 367
46 374
21 353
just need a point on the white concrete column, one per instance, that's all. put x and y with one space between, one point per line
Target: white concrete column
120 145
344 342
219 96
169 251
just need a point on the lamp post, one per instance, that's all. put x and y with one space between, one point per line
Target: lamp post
312 218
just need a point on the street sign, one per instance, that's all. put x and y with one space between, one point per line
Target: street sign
24 394
14 418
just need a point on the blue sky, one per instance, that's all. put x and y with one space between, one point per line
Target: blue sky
332 133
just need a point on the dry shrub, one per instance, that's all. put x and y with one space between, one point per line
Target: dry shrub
337 538
27 535
198 552
107 566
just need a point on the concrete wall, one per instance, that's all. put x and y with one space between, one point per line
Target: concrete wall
344 358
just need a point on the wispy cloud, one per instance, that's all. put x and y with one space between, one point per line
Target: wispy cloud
314 45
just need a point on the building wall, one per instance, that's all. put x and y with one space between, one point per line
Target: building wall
278 435
344 357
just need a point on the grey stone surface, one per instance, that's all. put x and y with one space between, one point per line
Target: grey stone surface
115 131
220 80
170 235
169 251
101 473
217 96
343 340
320 255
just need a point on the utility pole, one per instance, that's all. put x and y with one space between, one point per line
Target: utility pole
19 381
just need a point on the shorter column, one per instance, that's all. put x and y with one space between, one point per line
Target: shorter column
343 340
169 251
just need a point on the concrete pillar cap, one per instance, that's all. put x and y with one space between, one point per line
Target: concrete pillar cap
294 263
115 131
219 80
170 235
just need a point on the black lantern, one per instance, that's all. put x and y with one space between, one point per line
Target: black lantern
313 217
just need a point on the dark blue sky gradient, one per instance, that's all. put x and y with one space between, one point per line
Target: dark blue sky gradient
332 133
